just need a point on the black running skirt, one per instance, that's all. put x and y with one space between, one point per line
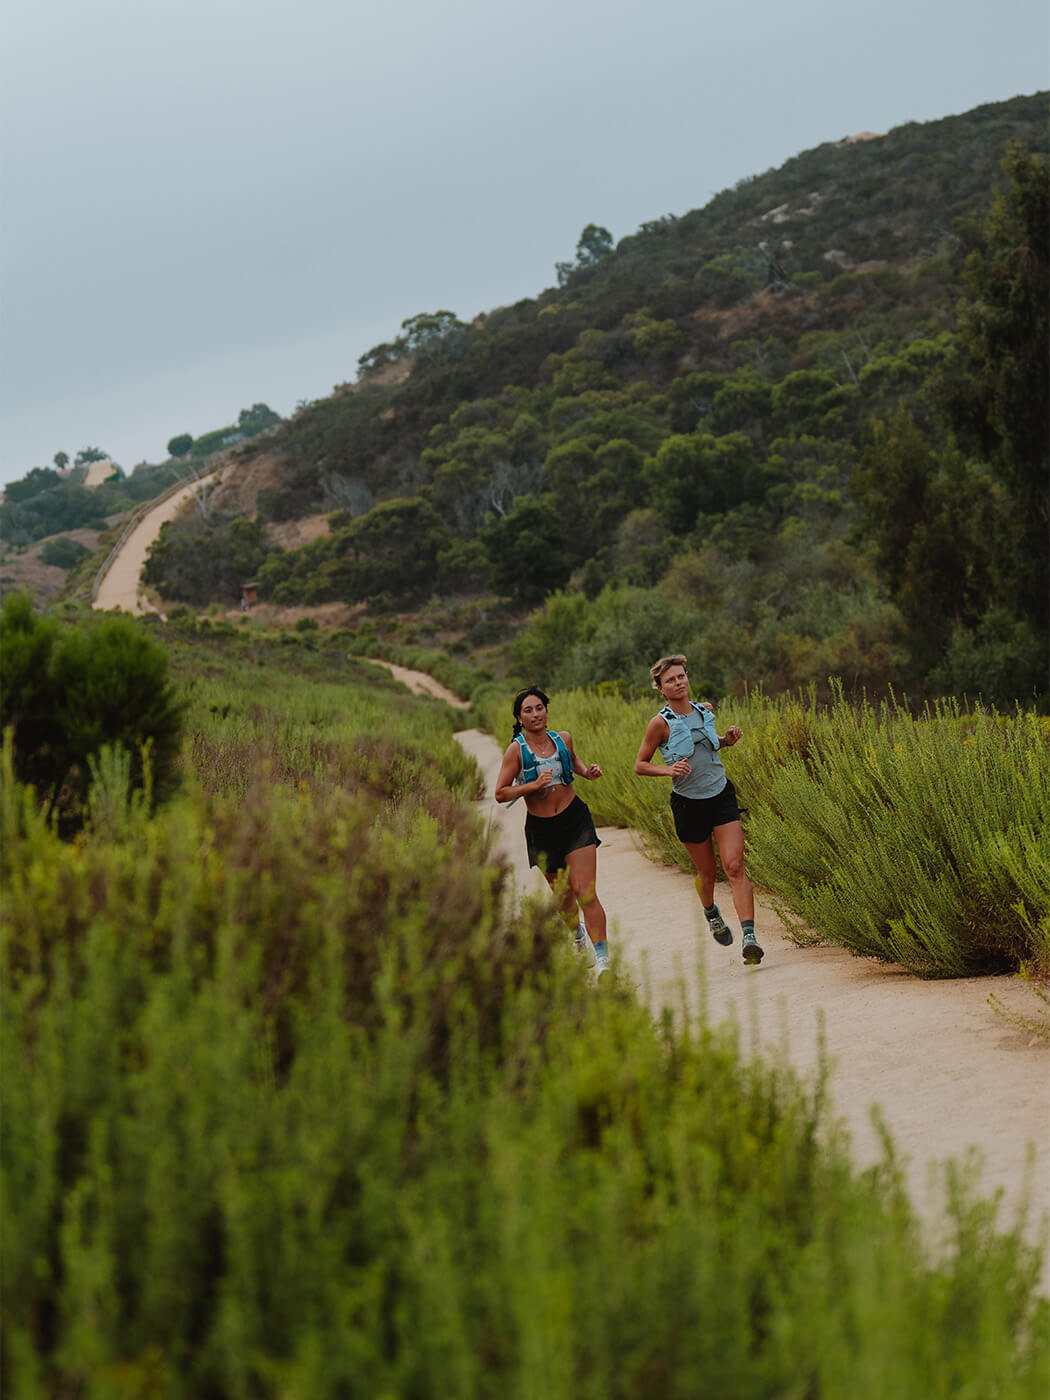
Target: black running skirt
549 840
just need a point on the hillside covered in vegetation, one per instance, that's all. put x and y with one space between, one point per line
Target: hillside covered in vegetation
799 432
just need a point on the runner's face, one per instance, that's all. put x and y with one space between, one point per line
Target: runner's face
675 683
533 713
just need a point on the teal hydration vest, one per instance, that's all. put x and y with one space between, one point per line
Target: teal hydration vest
528 758
679 742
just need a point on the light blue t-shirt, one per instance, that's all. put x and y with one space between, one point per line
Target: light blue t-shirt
694 736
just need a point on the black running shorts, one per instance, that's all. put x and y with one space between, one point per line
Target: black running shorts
549 840
696 817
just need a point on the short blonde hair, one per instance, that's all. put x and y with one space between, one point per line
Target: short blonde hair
657 669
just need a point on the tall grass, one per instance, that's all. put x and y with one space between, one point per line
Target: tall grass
307 728
923 840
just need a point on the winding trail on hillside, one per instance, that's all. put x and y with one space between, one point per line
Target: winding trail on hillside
121 585
945 1072
419 683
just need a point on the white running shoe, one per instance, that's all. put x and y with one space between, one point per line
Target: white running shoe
582 945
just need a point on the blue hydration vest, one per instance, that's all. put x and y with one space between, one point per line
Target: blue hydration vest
679 742
528 758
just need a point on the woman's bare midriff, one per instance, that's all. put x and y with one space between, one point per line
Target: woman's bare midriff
537 806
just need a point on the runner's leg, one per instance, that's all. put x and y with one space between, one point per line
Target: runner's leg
702 854
583 879
730 838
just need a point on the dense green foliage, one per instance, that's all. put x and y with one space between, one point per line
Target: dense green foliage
1005 405
825 616
206 558
69 693
48 504
919 840
63 553
828 386
296 1105
37 480
180 445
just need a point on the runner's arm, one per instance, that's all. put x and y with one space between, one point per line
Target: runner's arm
656 734
509 769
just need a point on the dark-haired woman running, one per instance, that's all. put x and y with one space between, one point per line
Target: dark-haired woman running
540 765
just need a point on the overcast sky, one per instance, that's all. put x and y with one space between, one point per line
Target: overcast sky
211 203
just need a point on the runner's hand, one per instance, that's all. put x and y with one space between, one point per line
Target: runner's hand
592 771
681 768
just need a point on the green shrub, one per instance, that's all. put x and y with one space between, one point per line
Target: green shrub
63 553
203 559
921 840
68 690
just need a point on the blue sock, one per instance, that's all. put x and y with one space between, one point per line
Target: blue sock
747 926
601 950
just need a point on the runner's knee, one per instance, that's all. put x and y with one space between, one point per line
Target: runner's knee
733 865
586 894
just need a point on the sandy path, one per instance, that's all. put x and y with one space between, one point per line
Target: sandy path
120 588
419 683
945 1071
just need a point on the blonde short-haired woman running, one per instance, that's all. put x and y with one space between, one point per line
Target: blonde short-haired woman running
703 799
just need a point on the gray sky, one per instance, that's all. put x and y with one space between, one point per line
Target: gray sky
211 203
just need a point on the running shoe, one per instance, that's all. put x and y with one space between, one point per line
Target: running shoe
582 945
753 953
720 930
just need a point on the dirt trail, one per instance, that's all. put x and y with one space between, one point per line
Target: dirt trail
419 683
121 588
945 1071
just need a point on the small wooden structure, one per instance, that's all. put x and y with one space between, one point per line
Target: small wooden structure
249 593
